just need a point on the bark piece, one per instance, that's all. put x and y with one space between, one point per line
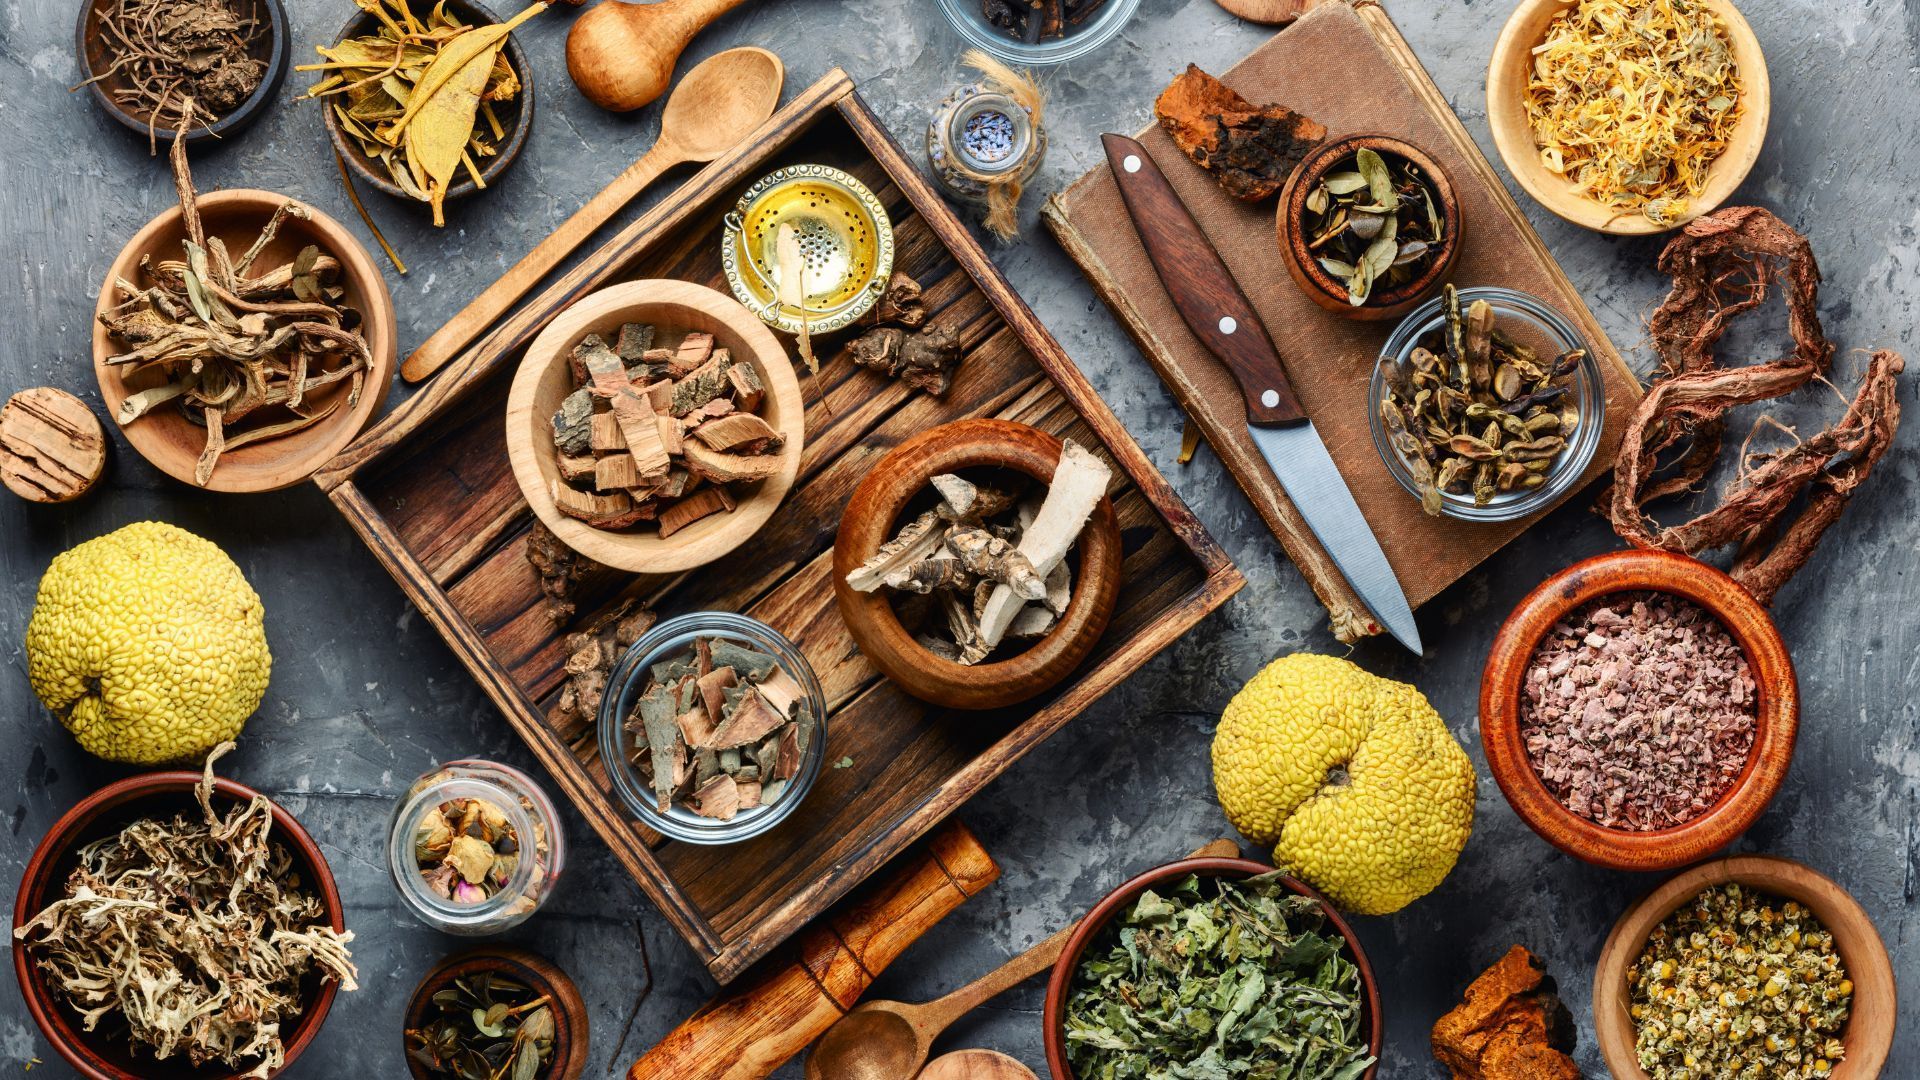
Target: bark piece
588 507
712 688
577 356
633 342
573 423
720 468
750 720
1249 149
606 433
703 503
746 387
718 798
576 467
52 449
631 410
615 472
1512 1026
699 386
671 437
696 727
739 432
693 351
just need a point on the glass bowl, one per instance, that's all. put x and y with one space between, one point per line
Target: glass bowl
967 18
630 677
1533 323
530 814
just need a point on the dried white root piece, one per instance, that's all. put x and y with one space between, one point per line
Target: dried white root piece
1079 483
912 544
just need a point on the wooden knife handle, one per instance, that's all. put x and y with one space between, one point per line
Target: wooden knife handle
1202 288
748 1032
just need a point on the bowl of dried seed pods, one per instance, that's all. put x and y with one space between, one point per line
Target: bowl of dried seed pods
1639 710
1486 405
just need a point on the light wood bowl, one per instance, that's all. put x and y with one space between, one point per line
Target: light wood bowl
543 380
1776 724
172 442
875 513
1868 1034
1512 68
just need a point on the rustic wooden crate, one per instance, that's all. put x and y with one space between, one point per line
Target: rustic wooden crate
430 491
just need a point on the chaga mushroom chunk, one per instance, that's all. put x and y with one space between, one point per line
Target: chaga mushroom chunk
1250 149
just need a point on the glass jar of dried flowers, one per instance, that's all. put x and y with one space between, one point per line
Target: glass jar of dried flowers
475 847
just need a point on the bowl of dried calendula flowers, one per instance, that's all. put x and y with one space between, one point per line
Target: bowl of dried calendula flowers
1639 710
174 895
1751 965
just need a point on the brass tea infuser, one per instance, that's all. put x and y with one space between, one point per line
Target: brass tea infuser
844 240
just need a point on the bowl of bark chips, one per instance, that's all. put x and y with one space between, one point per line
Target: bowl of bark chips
655 425
1639 710
978 563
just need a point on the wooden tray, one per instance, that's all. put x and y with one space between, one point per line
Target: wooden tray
430 491
1311 67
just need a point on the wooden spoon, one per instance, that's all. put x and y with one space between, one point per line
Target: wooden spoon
975 1065
621 55
719 103
887 1040
1270 12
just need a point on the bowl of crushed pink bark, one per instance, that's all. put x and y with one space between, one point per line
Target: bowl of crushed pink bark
1639 710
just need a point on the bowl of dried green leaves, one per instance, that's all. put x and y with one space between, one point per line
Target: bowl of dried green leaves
497 1012
178 926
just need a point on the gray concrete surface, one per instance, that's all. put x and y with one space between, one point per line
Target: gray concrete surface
365 697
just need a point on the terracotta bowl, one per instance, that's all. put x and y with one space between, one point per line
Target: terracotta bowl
543 380
1512 68
1777 723
1303 265
1055 1014
515 115
900 481
172 442
104 1054
536 972
1868 1034
273 50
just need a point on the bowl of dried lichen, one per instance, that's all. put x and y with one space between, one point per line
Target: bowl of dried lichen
170 896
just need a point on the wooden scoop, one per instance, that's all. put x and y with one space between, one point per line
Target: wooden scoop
975 1065
887 1040
719 103
621 55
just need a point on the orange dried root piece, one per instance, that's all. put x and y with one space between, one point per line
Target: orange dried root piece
1512 1026
1250 149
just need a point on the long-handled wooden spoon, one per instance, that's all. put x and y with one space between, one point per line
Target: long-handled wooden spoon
719 103
888 1040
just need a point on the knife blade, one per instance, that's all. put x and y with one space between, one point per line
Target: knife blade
1213 306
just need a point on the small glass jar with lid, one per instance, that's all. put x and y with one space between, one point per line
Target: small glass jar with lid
475 847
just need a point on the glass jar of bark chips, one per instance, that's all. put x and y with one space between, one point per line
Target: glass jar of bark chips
475 847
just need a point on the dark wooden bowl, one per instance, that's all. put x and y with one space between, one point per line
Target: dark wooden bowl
515 115
275 49
1055 1014
1868 1034
1777 723
1328 291
874 513
104 1053
569 1011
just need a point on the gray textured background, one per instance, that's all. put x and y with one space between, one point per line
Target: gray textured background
365 697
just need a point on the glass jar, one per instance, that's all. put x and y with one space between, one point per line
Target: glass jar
979 137
969 19
531 818
630 677
1529 320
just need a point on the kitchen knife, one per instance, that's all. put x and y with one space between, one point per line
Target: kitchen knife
1212 305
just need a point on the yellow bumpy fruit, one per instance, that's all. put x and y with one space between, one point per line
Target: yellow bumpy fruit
148 644
1354 779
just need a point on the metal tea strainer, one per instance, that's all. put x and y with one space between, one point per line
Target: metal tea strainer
845 242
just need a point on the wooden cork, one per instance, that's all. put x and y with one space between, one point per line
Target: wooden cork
51 446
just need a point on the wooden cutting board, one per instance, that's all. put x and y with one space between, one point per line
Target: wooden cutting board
1314 67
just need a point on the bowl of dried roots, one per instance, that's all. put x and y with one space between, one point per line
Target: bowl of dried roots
176 925
148 62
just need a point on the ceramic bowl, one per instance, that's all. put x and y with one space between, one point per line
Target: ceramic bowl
570 1045
167 438
1512 68
1777 723
896 489
515 115
543 380
274 50
1303 265
1055 1014
1868 1034
104 1054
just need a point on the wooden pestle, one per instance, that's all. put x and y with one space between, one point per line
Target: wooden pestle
799 992
621 54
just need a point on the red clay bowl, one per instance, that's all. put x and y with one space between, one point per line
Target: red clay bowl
104 1053
1777 723
1055 1015
533 971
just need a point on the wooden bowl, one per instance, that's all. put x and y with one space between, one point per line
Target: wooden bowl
1868 1034
105 1054
543 380
878 508
515 115
172 442
570 1043
1304 267
273 50
1054 1016
1777 722
1512 68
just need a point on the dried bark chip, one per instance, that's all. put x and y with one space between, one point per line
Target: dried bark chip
52 448
1249 149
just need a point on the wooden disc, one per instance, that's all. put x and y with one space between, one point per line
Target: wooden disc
51 446
1270 12
975 1065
